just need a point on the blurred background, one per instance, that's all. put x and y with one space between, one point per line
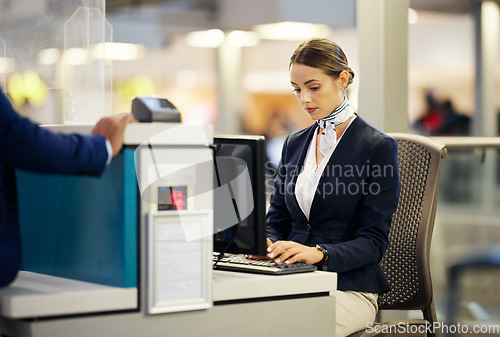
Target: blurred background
225 62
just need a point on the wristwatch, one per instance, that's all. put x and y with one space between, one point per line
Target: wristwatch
322 265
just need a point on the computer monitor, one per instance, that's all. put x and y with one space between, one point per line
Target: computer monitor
239 195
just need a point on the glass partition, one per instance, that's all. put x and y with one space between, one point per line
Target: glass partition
86 35
54 65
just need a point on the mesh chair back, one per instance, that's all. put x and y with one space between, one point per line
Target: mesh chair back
406 262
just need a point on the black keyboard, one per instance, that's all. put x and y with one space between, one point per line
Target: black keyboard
240 263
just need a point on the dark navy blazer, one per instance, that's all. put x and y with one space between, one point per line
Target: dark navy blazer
353 206
24 145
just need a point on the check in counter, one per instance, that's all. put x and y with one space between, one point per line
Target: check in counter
34 295
107 257
37 305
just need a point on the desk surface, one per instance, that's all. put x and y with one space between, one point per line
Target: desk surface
229 286
38 295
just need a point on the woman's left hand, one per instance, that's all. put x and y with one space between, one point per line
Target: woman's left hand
289 252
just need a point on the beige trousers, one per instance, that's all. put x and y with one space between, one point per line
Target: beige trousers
354 310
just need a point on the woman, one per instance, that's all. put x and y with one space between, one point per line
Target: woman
336 188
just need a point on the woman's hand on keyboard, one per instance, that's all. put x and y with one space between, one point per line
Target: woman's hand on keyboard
290 252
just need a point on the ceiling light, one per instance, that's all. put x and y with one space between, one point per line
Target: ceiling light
76 56
48 56
240 38
118 51
207 38
291 31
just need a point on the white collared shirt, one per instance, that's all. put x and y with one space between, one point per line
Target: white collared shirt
308 179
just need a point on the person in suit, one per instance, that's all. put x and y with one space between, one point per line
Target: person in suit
24 145
336 188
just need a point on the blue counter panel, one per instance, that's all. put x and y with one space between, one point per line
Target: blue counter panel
82 227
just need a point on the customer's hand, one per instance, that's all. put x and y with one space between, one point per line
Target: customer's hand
290 252
113 128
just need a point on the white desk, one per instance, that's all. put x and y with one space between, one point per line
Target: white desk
244 305
37 295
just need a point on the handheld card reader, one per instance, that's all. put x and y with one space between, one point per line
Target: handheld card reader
154 109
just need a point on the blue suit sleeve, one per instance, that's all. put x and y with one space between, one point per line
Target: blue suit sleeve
371 238
24 145
278 217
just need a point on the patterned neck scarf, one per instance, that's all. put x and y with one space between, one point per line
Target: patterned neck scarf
329 137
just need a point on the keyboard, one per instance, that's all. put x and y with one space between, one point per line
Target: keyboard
238 262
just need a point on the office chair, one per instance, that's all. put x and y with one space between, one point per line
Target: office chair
406 262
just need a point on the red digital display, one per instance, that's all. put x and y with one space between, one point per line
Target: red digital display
171 198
